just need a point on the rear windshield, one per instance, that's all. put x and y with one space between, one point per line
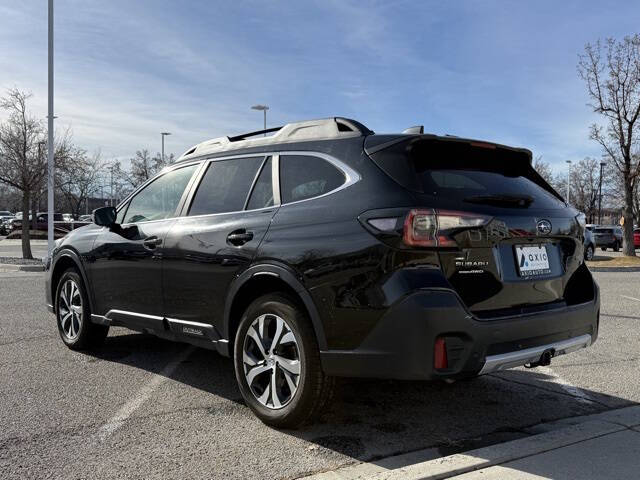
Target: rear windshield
604 230
467 173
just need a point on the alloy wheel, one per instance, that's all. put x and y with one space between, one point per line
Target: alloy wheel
271 361
70 309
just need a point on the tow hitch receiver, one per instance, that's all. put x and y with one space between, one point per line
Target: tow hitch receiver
545 359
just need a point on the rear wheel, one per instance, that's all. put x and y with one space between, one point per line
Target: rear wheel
74 315
277 363
588 254
604 249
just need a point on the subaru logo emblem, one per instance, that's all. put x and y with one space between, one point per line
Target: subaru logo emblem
544 227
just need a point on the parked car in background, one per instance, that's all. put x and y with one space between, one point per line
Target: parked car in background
328 251
67 217
86 218
636 238
5 213
589 245
5 223
608 237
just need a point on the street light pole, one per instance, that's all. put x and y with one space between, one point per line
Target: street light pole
163 134
50 166
264 109
602 164
568 180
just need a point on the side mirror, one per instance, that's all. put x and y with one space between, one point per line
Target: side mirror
105 216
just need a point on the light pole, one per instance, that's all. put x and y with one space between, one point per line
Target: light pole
163 134
602 164
50 117
264 109
568 180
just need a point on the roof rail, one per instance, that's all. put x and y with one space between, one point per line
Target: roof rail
322 129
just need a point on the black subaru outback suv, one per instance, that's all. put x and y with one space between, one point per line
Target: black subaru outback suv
326 250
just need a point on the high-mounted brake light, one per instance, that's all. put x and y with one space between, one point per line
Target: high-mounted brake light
433 228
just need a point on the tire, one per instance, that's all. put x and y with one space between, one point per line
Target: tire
297 400
588 254
604 249
74 322
616 247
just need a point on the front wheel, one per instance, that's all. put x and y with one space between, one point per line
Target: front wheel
73 314
277 363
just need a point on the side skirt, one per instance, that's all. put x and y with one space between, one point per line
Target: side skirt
194 333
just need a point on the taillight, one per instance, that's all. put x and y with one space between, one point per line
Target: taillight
433 228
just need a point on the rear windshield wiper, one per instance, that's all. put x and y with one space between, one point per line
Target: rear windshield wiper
515 201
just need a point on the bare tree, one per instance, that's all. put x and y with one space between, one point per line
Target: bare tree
22 166
585 182
77 177
613 83
544 169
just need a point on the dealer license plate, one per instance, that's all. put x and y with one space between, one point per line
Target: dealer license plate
532 260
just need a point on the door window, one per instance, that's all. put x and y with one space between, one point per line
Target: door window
159 199
303 176
225 186
262 194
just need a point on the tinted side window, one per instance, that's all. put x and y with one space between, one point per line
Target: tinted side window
303 177
262 194
225 186
160 198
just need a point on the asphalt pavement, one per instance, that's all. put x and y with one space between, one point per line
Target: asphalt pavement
142 407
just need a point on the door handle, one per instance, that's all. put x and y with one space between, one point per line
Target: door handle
151 242
239 237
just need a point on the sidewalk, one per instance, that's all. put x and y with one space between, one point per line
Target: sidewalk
601 446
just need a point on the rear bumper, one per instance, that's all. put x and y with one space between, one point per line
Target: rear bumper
401 345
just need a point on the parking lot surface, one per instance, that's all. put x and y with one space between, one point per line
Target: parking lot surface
142 407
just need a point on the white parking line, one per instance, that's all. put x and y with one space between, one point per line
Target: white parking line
576 392
143 394
631 298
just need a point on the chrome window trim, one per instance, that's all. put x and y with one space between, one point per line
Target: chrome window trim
351 176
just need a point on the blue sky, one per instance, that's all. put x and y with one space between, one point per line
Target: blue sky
126 70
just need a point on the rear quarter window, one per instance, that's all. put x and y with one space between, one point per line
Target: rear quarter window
305 176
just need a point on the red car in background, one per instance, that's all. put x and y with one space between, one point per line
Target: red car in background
636 238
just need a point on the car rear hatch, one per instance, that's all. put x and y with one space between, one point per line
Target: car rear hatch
506 241
603 236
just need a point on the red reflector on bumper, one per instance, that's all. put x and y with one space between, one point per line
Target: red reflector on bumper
440 354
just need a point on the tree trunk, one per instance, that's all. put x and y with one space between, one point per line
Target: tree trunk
34 210
627 213
26 225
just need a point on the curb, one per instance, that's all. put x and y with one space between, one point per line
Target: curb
560 434
10 267
614 269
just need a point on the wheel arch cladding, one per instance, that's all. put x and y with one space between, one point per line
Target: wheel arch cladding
65 261
256 283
